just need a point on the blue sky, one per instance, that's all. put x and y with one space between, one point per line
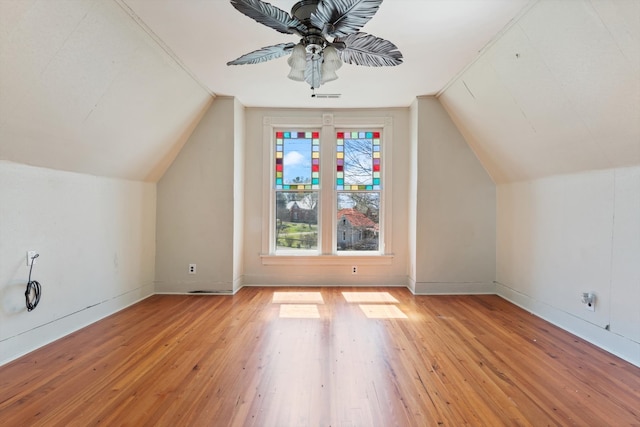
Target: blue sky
297 159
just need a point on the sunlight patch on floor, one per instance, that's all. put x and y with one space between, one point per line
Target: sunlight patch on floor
369 297
299 311
297 297
382 311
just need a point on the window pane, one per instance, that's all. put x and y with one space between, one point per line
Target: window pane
296 220
297 161
358 221
358 160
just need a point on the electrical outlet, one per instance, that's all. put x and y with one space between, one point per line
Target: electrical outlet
192 269
591 306
589 301
30 257
354 269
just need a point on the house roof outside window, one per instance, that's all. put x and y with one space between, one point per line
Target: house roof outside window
357 218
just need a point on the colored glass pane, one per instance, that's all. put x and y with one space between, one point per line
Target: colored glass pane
297 158
358 156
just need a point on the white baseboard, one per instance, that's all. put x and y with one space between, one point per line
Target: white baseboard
33 339
618 345
201 293
451 288
318 280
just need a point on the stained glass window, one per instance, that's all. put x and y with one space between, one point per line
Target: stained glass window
343 217
358 185
358 161
297 162
297 181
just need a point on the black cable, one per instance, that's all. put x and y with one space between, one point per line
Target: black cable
32 294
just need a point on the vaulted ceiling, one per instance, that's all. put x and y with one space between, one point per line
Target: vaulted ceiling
84 88
557 93
437 39
114 87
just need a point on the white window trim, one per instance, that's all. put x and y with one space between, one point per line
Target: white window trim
327 124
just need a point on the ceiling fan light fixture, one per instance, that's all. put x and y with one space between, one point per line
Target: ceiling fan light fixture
328 76
313 73
330 35
298 57
298 63
330 64
297 75
331 58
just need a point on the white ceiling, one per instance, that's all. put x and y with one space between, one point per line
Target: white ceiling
83 88
115 87
438 38
558 93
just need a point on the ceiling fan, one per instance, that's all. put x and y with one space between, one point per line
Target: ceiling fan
330 35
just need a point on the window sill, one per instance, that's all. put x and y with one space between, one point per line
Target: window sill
347 259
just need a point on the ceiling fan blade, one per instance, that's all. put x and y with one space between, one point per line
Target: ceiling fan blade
338 18
269 15
371 51
265 54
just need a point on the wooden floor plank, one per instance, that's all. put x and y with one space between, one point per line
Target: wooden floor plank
234 360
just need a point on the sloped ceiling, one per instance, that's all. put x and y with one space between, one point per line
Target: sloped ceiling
84 88
437 38
115 87
557 93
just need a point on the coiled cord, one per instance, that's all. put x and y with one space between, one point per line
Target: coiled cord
34 289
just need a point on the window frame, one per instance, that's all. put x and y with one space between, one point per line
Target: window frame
327 254
335 245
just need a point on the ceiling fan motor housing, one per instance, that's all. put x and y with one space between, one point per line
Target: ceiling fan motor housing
303 10
313 41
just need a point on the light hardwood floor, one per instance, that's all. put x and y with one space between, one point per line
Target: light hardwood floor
320 357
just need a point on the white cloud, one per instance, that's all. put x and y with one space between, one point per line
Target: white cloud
293 158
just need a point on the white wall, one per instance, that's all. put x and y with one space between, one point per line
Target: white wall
96 240
453 226
238 194
197 197
452 201
412 207
561 236
302 273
